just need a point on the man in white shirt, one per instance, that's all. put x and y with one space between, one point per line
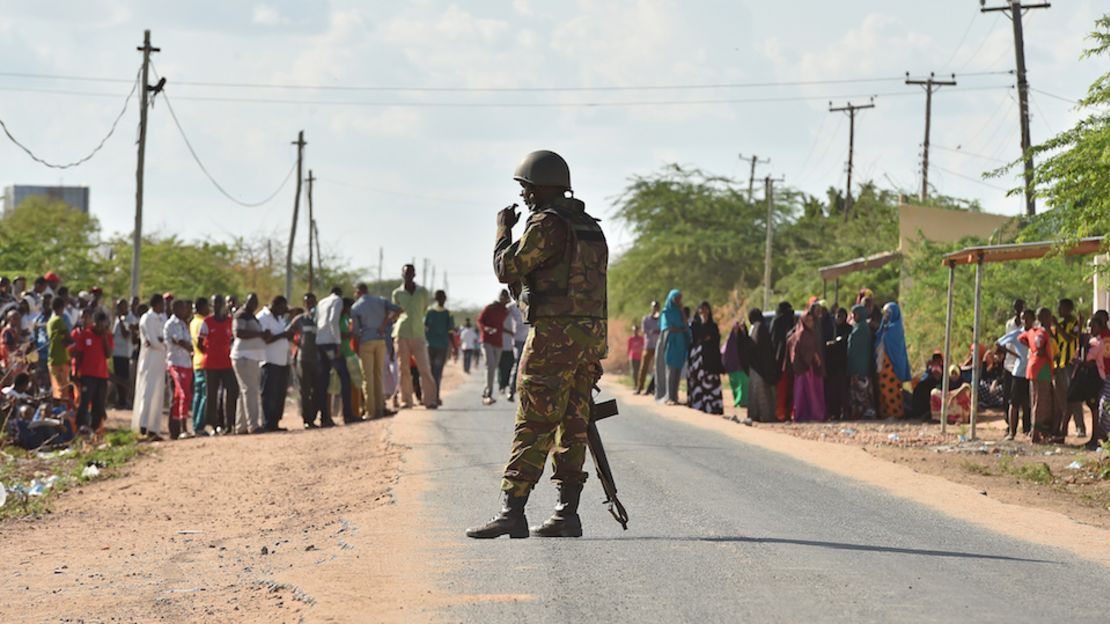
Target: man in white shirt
520 336
179 360
1009 365
328 311
275 362
150 380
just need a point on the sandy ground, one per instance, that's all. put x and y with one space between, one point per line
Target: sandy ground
300 526
1046 524
989 463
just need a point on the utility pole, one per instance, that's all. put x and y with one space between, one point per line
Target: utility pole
137 236
851 110
769 194
319 254
296 213
433 279
311 230
931 86
1015 9
424 273
751 175
381 261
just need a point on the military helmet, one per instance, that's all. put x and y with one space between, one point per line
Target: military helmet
543 168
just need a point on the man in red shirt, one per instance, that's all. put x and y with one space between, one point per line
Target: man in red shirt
92 347
214 341
491 324
1039 373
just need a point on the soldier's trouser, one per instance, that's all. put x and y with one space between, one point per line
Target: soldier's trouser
557 376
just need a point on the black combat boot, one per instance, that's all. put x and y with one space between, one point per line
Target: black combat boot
510 521
565 521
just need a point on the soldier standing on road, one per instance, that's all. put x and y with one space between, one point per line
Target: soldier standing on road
557 270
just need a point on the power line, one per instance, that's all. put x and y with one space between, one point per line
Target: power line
522 105
982 43
415 89
960 45
1054 96
971 179
207 174
813 144
1043 117
111 131
957 150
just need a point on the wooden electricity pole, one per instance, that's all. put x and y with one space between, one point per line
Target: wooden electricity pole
319 254
137 235
751 174
296 214
851 110
311 231
1015 8
769 193
931 86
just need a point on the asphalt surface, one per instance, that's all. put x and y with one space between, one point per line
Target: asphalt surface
722 531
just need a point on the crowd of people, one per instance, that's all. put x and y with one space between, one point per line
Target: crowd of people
218 366
832 363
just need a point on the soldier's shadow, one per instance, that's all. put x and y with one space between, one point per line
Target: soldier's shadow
829 545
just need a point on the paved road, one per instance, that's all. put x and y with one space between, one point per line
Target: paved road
722 531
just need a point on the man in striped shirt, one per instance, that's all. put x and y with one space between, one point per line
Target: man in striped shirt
1065 338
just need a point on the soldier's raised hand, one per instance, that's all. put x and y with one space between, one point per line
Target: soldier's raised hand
508 217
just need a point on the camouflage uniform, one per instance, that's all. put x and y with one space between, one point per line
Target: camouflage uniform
558 271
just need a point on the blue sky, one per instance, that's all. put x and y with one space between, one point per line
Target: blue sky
422 173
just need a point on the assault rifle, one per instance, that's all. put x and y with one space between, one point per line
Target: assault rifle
601 411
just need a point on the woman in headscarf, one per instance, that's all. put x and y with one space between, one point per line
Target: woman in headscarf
736 360
705 363
860 394
892 362
836 366
673 344
763 373
805 361
781 326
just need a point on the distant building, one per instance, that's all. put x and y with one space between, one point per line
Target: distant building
76 196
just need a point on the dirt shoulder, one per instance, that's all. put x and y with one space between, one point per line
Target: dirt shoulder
299 526
910 466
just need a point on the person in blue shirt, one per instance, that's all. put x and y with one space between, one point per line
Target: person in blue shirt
372 316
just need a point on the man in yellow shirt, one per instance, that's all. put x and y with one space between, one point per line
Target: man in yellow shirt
200 390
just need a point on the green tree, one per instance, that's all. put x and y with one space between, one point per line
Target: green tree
822 236
692 231
43 234
171 264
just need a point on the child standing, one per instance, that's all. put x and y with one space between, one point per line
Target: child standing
635 351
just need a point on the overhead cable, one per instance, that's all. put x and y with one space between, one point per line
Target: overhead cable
87 157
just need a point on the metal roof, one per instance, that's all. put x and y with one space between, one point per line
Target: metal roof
1022 251
875 261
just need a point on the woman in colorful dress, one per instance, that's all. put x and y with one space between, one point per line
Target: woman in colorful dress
892 362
